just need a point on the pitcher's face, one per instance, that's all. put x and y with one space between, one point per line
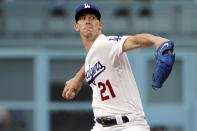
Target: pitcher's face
88 25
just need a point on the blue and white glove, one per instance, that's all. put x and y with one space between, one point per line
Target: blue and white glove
165 58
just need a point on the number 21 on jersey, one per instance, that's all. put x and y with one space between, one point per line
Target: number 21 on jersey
106 86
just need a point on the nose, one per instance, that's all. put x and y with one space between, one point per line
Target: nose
87 20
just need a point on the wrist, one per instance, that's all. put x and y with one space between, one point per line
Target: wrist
79 76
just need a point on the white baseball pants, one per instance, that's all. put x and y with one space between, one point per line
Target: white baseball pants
123 127
138 125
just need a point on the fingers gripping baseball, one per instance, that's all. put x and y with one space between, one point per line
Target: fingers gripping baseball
72 88
68 91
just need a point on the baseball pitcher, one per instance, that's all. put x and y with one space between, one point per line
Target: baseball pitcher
116 101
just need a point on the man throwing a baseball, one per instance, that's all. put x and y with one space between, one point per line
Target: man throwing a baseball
116 100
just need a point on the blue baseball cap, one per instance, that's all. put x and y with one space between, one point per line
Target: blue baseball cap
87 8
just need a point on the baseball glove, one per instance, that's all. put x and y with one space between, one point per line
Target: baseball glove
165 58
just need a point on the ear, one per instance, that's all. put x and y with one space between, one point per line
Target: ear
100 25
76 26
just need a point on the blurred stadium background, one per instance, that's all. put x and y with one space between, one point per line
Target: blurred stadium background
39 51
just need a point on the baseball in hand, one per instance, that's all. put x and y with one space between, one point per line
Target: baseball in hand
72 95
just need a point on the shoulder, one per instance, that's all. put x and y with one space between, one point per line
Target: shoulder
116 39
108 39
111 40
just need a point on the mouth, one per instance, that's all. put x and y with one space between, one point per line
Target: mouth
88 28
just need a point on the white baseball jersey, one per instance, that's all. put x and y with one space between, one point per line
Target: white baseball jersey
109 74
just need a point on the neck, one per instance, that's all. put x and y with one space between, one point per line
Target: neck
88 41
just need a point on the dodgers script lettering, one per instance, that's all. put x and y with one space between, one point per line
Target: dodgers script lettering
93 72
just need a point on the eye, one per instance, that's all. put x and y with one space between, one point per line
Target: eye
92 17
82 17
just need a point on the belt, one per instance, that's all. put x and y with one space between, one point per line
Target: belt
105 122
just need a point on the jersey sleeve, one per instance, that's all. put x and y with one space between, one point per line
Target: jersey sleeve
120 43
116 44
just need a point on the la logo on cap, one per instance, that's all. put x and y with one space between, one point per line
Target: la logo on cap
86 5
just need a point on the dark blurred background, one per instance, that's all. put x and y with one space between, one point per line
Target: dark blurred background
40 50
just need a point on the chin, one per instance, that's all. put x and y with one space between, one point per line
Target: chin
88 34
